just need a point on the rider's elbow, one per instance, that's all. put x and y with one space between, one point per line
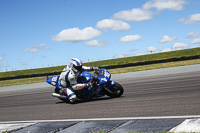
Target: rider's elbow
78 86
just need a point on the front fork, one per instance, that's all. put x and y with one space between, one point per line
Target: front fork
109 84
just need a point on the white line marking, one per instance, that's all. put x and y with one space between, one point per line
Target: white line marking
106 119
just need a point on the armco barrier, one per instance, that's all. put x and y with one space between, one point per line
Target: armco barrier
111 67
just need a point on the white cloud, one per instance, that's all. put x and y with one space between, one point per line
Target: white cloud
166 50
113 24
139 54
146 11
36 48
130 38
161 5
192 35
121 56
151 49
179 46
32 50
196 41
191 20
4 66
76 35
136 14
167 38
95 43
23 63
43 46
1 58
133 50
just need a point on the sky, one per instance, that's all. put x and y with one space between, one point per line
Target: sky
46 33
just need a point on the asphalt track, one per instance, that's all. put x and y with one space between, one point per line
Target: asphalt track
162 95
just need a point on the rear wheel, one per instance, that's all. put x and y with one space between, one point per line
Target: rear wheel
59 91
115 90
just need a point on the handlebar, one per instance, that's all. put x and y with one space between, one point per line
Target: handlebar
95 82
98 72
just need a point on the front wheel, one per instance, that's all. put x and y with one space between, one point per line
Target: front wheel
114 91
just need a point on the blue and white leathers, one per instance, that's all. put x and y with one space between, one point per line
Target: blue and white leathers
68 78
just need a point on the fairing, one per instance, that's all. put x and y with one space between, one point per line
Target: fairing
104 77
53 81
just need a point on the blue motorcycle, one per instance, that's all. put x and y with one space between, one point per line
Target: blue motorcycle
101 85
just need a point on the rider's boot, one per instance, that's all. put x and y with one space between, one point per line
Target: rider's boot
71 95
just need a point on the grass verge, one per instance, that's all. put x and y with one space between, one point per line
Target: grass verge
22 81
112 71
154 66
120 61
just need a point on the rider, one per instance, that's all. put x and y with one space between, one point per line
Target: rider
68 78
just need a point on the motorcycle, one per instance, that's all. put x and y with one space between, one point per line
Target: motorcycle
101 85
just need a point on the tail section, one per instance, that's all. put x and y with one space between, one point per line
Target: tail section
53 81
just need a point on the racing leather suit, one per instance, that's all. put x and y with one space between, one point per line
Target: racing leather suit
68 81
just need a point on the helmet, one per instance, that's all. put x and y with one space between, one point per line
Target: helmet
76 65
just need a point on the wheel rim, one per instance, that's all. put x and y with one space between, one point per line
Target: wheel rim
116 90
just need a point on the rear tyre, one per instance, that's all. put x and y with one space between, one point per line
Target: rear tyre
115 91
58 91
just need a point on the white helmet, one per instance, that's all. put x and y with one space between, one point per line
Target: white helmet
76 65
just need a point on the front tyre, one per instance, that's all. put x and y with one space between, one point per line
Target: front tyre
115 90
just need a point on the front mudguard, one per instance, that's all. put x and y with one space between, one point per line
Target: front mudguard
109 84
112 83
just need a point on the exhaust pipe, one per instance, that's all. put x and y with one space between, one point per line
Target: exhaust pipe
59 96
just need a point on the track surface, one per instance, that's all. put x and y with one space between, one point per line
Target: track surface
167 95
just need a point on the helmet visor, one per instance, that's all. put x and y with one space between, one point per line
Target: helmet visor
79 68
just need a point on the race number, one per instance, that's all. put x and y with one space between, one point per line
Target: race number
106 74
54 78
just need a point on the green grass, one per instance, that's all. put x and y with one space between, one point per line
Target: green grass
112 71
159 56
150 57
154 66
31 71
22 81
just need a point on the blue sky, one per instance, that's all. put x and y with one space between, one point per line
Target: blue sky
41 33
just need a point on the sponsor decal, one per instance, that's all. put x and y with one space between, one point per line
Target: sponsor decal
53 83
106 74
79 86
104 79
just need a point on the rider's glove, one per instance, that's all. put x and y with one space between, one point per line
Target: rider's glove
95 68
88 84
